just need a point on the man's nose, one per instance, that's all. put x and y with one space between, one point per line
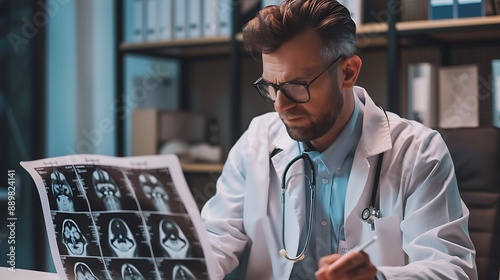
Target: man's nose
282 103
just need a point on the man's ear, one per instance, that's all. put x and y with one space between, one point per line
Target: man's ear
350 70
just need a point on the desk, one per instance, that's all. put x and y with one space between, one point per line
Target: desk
23 274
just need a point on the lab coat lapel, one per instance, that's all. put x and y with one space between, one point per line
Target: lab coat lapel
295 190
374 140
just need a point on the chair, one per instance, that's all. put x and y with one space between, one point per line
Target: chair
476 156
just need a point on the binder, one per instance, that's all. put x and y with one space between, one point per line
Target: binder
422 93
496 91
442 9
210 19
266 3
138 25
165 23
225 17
355 7
151 20
470 8
180 19
194 18
458 96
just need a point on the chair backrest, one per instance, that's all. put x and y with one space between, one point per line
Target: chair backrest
476 156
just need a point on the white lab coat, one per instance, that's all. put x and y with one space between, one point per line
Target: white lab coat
419 202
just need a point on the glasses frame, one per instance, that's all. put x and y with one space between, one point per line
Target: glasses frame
261 82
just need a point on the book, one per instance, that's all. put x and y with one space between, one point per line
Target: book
422 94
121 218
442 9
496 91
458 96
470 8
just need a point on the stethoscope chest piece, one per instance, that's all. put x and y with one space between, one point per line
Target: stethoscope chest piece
370 214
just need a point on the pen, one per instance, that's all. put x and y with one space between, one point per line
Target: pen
363 246
357 249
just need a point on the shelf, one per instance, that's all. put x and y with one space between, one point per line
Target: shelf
181 48
202 167
196 47
371 35
468 29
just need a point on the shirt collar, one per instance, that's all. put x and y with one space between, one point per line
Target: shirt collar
334 156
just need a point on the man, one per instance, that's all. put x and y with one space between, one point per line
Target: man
360 174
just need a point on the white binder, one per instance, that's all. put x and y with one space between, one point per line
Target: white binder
422 97
194 18
151 20
165 22
180 20
138 24
266 3
210 18
225 17
355 7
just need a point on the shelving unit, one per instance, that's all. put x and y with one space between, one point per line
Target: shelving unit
392 37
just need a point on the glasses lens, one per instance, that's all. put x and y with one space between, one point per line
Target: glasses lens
266 91
296 92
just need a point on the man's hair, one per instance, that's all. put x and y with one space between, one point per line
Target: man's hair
275 25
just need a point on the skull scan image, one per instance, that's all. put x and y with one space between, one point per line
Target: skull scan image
154 191
83 272
130 272
62 192
181 272
173 240
73 239
106 189
121 239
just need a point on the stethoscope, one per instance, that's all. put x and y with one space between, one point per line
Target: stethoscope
369 214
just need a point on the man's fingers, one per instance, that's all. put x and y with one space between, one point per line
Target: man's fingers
327 260
354 265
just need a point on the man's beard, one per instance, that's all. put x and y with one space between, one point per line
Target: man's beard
320 124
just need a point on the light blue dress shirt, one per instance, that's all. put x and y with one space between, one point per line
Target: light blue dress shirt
333 167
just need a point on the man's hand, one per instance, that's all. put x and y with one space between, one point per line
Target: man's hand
351 266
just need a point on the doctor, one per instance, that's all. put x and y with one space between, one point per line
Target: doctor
330 170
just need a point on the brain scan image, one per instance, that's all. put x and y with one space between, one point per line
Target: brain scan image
154 191
130 272
73 239
181 272
121 239
173 240
62 192
106 189
83 272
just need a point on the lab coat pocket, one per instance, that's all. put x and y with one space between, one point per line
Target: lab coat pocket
387 250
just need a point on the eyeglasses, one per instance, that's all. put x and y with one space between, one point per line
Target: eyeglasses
297 92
